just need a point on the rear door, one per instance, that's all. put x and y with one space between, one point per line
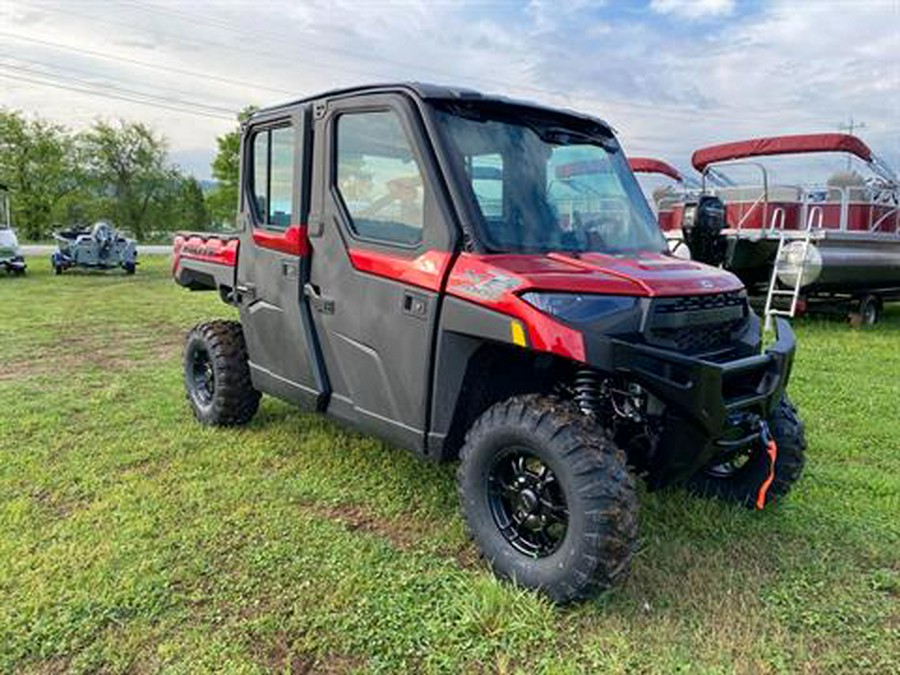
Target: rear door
273 260
381 239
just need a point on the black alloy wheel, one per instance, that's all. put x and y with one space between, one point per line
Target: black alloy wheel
548 497
217 374
528 503
202 375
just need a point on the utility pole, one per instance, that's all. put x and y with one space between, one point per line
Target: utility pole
849 127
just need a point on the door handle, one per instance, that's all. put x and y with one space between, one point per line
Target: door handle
319 302
246 291
415 304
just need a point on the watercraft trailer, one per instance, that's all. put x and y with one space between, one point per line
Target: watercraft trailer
833 244
11 258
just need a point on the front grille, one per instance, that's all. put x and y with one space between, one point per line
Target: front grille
695 302
697 339
697 324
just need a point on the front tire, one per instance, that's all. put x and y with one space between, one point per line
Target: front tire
217 374
547 498
742 485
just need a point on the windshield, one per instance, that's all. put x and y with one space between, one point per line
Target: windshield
543 185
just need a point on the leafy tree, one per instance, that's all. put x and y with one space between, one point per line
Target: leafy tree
39 162
191 211
127 163
226 170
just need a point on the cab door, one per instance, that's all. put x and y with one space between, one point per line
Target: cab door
273 260
381 239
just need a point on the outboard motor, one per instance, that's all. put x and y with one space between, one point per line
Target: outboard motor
702 226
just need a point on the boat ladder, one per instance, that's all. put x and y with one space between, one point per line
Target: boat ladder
772 309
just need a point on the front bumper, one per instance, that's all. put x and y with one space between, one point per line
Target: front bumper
704 398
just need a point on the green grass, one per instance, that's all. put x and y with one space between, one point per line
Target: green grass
134 540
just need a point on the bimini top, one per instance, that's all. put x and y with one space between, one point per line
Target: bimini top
650 165
781 145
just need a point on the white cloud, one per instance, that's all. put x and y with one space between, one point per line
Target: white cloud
693 9
667 92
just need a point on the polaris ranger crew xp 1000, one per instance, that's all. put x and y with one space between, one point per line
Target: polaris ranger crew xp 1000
478 278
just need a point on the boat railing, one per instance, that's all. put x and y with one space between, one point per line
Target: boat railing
893 213
762 199
709 175
851 196
812 201
778 219
816 215
890 198
778 216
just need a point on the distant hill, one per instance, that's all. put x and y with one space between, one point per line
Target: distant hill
195 161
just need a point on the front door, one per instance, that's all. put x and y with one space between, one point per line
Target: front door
380 239
274 262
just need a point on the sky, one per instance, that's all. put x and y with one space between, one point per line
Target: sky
669 75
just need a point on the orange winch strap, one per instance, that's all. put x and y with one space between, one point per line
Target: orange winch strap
772 452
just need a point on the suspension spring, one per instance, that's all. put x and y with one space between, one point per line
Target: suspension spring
588 391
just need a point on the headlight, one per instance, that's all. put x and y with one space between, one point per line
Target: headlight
579 308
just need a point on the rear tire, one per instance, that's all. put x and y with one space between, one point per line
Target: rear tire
217 374
742 486
570 472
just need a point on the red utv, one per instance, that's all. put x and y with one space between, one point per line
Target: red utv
419 263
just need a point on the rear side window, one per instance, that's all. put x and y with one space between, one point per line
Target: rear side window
273 176
379 178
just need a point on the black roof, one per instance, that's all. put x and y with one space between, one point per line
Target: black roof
426 91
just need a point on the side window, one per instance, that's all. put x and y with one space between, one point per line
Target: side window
261 175
273 176
379 179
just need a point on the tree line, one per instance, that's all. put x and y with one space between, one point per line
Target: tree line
118 171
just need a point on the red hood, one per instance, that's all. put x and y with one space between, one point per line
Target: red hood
645 274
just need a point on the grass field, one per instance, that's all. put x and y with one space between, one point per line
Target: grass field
134 540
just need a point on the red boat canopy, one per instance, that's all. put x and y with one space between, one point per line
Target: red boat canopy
781 145
650 165
582 168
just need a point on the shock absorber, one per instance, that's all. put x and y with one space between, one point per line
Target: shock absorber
588 394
